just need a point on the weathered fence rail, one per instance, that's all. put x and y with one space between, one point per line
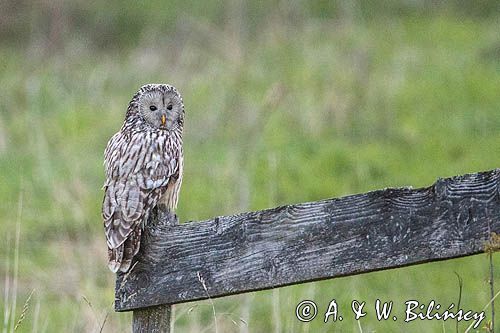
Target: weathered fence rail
310 241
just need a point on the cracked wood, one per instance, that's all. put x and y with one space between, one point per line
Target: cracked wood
311 241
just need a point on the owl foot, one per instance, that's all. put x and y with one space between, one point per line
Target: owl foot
166 217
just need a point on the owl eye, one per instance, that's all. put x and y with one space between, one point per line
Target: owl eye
153 108
169 106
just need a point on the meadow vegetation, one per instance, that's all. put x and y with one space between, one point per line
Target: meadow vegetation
291 102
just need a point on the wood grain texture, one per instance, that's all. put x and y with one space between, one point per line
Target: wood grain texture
311 241
155 319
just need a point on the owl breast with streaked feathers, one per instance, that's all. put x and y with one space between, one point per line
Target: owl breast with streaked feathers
144 165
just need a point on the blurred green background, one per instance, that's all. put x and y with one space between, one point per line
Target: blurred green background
286 101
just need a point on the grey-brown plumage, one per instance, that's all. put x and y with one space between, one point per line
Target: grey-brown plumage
144 164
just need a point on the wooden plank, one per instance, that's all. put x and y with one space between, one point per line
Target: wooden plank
155 319
311 241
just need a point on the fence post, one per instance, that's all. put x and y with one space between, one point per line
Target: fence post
155 319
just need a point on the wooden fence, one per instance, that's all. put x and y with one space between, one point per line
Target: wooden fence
306 242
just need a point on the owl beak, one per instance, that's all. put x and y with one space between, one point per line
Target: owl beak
163 119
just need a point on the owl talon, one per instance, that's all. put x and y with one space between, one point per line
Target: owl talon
171 219
166 217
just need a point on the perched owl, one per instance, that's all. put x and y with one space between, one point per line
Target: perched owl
144 164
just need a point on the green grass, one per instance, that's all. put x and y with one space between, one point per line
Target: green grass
293 103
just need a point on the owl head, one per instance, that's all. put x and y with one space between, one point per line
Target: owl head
158 106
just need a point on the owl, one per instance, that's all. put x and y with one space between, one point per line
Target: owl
143 164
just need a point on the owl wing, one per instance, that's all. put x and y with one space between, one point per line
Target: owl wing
138 170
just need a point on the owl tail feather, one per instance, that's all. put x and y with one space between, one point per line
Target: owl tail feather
115 258
121 257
